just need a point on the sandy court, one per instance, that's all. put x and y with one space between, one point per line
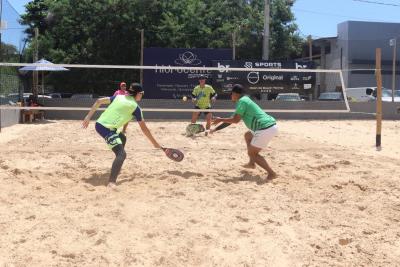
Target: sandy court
336 201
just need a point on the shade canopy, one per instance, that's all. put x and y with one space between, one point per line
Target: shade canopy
47 67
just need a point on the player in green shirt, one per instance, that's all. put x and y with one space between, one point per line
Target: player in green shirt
202 95
261 125
121 109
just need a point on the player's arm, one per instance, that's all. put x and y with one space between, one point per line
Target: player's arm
139 117
194 95
234 119
148 134
213 95
96 105
125 127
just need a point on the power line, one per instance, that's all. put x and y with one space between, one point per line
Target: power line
377 3
348 17
12 7
331 14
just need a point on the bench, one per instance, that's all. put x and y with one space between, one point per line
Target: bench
31 115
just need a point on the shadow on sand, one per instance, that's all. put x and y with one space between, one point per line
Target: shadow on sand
97 179
246 177
186 174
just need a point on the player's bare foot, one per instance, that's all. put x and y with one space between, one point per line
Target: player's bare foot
249 166
112 186
272 175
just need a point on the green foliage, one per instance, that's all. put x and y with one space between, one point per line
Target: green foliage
108 32
9 53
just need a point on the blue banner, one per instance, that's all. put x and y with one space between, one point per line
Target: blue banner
265 82
167 83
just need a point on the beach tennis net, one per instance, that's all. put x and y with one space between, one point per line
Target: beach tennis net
76 87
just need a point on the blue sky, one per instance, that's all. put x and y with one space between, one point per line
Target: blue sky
319 18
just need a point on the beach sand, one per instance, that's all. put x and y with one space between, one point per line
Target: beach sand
336 201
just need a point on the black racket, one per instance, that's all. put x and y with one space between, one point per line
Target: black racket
173 154
220 127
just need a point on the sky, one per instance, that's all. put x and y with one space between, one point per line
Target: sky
319 18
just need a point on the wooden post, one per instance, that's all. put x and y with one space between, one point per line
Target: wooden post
394 67
265 50
141 54
378 99
234 44
35 58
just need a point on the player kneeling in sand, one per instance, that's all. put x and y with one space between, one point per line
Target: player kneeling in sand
261 125
121 110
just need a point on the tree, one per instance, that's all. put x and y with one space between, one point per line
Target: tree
285 40
9 53
107 32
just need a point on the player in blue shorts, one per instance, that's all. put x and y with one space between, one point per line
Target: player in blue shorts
121 109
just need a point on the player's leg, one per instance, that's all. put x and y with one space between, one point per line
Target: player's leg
254 155
120 156
248 136
195 116
116 144
123 138
208 121
260 141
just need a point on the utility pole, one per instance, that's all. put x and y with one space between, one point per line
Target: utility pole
265 53
141 54
309 39
35 58
234 45
393 42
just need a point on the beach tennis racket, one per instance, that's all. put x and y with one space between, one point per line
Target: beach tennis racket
220 127
173 154
194 128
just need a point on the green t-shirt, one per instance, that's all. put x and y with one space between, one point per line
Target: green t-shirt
120 111
252 115
203 96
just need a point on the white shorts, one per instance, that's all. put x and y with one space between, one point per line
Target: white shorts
261 138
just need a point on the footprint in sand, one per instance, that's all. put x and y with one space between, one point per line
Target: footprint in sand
243 219
345 241
4 166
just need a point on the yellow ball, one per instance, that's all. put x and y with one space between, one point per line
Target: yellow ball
184 98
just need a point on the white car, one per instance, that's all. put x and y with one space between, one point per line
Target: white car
359 94
288 97
387 95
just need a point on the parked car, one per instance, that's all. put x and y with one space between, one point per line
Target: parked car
84 96
331 96
359 94
60 95
14 97
288 97
386 94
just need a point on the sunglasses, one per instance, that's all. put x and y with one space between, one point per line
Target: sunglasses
142 93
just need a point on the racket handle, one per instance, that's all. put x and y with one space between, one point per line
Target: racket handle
221 126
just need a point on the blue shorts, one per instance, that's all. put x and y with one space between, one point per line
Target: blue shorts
110 135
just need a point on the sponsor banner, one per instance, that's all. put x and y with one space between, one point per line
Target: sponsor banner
167 83
262 81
